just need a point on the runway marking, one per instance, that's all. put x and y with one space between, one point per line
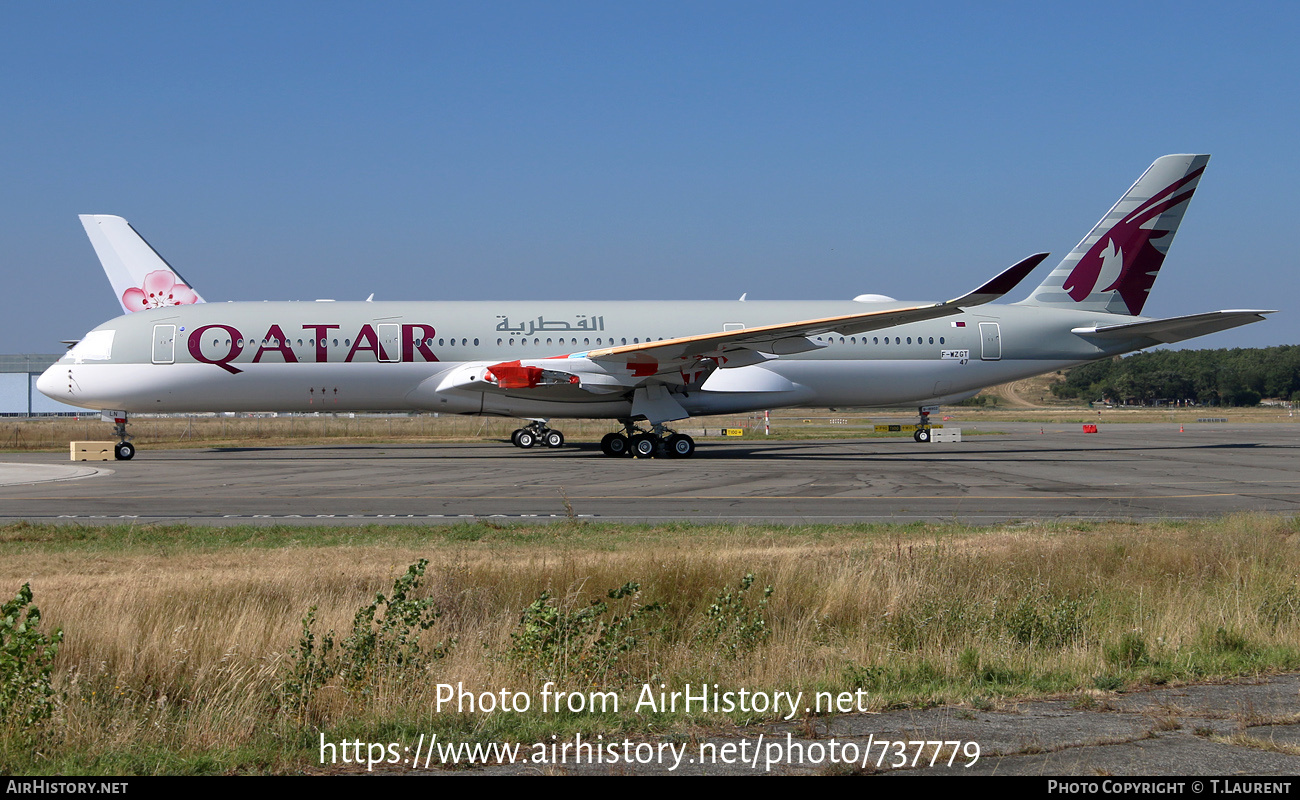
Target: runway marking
313 515
499 498
892 516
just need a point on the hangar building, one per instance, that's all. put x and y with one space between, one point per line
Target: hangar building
18 395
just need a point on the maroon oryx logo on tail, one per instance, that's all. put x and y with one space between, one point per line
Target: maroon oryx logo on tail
1124 255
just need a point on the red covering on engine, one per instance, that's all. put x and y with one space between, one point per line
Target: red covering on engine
513 375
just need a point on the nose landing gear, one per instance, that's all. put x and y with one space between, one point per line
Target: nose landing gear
123 450
923 427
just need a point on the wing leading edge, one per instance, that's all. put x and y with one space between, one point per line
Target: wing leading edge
672 355
690 359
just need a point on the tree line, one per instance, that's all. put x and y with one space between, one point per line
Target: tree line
1237 377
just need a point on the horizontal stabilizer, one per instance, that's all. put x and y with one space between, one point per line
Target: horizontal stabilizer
1175 329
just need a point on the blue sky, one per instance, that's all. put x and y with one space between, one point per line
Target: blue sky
505 150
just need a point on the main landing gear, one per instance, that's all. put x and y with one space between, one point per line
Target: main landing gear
659 442
123 450
536 433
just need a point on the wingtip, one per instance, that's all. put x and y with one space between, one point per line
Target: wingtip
1012 276
1001 284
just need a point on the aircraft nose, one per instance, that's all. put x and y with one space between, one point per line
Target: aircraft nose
53 385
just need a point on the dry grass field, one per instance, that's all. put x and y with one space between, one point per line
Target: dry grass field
205 650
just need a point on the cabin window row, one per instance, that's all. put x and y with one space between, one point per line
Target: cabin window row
600 340
880 340
335 342
276 343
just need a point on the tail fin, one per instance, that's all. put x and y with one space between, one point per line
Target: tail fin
1113 268
141 278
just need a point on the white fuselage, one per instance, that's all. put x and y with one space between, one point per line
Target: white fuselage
400 356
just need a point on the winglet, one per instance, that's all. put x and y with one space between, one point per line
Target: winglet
1004 282
141 278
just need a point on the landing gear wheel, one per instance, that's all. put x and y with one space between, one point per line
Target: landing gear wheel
644 445
923 425
123 450
680 446
553 439
525 438
614 444
514 436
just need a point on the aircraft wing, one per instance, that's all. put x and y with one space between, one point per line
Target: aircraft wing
689 360
1175 329
728 348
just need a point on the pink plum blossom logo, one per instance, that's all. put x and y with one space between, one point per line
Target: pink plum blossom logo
160 289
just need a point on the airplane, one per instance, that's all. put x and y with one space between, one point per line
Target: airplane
643 363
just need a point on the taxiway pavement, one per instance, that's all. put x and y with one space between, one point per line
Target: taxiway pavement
1126 471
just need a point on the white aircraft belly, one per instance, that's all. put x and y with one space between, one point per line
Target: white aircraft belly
901 381
166 388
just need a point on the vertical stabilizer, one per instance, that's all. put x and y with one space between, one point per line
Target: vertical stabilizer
1115 265
141 278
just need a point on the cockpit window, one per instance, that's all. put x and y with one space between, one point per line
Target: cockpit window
94 346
